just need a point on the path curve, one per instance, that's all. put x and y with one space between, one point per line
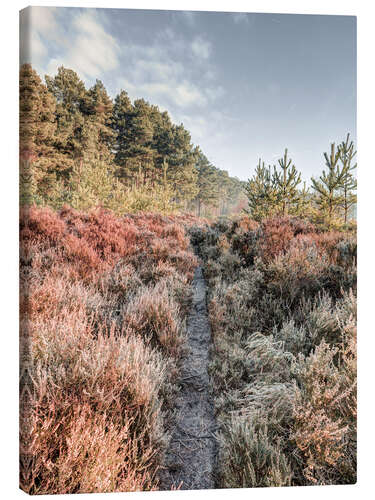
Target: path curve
190 459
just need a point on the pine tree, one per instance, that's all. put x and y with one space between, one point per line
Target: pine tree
302 206
78 147
37 130
163 136
329 186
286 182
207 182
142 131
235 193
262 193
97 134
93 184
71 98
223 183
349 187
122 114
182 157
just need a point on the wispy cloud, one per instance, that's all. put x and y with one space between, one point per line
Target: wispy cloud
169 71
93 50
201 48
182 94
172 69
38 25
157 72
80 43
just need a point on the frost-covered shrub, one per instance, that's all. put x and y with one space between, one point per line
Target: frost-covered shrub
103 302
249 459
282 307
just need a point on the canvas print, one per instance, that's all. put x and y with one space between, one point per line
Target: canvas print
187 250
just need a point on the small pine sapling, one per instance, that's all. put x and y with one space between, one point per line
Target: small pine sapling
347 155
328 188
286 182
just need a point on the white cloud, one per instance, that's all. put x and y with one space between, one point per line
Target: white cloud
215 92
168 72
161 74
93 51
197 125
82 44
37 49
201 48
43 21
182 94
187 93
36 23
156 70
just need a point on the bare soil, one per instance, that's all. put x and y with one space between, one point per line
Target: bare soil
190 459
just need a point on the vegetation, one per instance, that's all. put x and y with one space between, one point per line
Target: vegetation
113 194
283 314
276 192
103 305
79 147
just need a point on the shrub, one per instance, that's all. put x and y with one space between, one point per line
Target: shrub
154 314
282 308
101 331
249 459
325 415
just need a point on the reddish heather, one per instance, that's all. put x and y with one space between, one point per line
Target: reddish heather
279 234
103 301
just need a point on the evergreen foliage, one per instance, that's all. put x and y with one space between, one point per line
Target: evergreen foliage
278 192
286 183
207 184
261 193
37 129
328 188
347 155
79 147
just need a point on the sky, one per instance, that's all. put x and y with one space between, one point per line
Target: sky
245 85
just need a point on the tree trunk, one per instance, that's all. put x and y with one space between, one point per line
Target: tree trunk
345 206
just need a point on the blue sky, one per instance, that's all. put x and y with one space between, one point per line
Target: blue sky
244 85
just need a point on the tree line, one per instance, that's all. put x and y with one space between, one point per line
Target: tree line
78 146
331 200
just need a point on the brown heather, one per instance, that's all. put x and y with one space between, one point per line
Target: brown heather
103 301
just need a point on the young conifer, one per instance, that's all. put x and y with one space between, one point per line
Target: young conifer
347 155
328 188
286 183
262 193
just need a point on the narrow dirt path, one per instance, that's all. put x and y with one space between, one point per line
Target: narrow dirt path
190 459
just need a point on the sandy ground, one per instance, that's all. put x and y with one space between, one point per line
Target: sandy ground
190 460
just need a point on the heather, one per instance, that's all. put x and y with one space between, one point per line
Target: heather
282 307
103 302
